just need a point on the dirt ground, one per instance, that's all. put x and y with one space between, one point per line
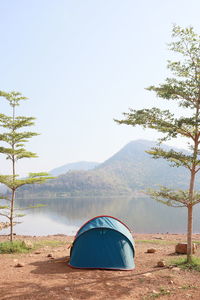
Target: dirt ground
44 277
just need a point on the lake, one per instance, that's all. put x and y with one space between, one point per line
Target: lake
65 216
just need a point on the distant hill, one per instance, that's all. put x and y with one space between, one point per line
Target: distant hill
130 169
139 170
78 166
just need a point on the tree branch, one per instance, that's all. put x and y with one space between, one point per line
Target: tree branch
4 215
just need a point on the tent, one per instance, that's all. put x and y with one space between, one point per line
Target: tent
103 242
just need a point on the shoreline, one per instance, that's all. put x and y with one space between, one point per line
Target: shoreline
135 235
44 273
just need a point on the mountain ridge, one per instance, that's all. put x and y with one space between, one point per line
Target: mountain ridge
128 170
79 166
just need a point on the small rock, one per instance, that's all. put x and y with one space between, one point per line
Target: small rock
161 263
37 252
151 250
171 282
181 248
170 267
147 274
67 289
108 283
15 260
49 255
176 269
19 265
28 244
155 292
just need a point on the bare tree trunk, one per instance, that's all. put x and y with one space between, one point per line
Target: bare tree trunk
189 234
191 196
190 212
13 192
11 215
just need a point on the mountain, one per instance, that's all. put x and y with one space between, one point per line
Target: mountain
78 166
130 169
139 170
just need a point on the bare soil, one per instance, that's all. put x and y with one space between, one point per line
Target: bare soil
44 277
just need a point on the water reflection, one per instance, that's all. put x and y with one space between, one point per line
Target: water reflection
65 216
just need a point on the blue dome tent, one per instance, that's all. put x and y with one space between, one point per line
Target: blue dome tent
103 242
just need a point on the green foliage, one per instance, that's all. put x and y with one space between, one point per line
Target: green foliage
184 264
183 88
15 139
188 287
13 247
160 293
157 242
175 198
185 91
49 243
157 294
21 247
13 147
11 182
176 159
78 183
4 207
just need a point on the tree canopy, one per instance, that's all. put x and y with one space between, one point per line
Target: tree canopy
13 139
183 88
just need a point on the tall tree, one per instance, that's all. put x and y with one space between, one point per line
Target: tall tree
13 147
183 88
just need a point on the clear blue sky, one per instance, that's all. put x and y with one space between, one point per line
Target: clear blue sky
82 63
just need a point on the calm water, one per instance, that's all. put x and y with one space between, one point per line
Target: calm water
65 216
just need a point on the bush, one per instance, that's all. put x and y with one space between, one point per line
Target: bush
13 247
26 246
